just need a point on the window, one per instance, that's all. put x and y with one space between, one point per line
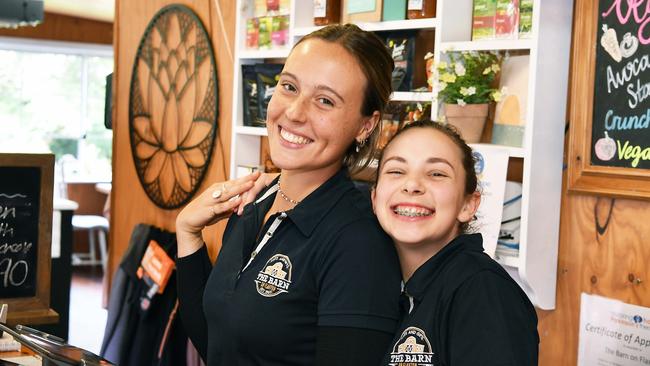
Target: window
52 100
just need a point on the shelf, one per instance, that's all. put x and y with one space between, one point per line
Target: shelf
251 131
262 54
513 152
507 261
488 45
427 23
411 97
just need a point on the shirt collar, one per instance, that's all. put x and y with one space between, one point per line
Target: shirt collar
313 208
417 285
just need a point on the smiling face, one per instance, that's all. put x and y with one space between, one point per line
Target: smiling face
315 112
420 197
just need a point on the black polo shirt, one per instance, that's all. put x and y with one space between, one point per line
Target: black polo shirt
463 309
327 263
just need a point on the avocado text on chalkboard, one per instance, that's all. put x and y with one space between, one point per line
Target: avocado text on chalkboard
621 120
19 218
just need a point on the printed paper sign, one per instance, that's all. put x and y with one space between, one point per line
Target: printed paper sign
613 333
491 168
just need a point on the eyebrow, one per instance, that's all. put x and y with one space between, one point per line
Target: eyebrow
319 87
429 161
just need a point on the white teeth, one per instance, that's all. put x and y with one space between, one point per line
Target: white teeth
410 211
294 139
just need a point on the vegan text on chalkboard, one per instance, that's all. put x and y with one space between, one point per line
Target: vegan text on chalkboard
621 119
19 219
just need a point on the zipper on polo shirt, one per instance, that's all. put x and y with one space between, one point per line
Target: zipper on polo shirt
265 238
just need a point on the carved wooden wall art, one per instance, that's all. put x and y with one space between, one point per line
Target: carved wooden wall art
173 106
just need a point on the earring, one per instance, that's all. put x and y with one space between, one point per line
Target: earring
360 144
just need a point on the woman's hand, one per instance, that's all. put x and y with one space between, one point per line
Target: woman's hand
217 202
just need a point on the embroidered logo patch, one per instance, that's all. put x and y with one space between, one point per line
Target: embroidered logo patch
275 278
412 349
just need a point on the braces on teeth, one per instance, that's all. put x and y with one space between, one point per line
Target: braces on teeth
411 212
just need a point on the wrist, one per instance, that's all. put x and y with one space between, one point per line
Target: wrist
188 242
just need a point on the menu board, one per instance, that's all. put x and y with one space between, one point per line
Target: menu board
19 226
621 119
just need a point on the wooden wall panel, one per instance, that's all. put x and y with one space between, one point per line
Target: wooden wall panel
603 250
130 204
57 27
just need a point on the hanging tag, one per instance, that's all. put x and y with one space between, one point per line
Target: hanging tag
157 265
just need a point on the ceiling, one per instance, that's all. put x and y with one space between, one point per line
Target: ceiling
102 10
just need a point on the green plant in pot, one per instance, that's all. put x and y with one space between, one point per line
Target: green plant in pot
466 86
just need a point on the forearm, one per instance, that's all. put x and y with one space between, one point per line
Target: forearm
192 274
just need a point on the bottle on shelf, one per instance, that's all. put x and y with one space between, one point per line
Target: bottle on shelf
327 12
418 9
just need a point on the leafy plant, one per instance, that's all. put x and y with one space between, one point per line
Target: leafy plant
469 77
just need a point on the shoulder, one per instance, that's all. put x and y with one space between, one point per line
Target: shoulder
473 269
352 217
354 204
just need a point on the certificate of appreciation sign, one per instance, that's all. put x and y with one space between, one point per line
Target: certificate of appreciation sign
613 333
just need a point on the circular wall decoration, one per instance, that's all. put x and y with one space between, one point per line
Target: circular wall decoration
173 106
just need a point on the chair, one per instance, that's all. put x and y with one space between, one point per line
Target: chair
97 227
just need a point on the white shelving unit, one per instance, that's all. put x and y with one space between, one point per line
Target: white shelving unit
536 267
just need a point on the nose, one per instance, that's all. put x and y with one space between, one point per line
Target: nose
296 110
412 186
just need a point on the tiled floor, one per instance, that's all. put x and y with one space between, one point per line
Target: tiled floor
87 317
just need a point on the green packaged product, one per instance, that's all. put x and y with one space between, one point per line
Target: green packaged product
483 19
525 18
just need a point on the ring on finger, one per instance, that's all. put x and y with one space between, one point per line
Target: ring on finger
216 194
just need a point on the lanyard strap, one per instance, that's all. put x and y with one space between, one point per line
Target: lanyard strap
272 228
266 238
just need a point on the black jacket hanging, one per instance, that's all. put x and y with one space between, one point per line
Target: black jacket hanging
142 326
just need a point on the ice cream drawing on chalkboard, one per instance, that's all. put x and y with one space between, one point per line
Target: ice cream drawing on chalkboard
609 41
605 148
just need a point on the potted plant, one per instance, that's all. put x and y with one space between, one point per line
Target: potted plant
466 87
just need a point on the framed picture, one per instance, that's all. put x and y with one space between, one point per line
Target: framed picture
609 146
26 191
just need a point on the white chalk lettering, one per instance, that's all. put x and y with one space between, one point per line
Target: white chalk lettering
6 230
23 247
631 69
6 211
14 274
641 93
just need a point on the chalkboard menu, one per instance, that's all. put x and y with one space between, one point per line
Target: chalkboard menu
26 190
19 218
621 120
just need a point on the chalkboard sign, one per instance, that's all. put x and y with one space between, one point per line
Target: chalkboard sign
621 121
26 187
609 137
19 215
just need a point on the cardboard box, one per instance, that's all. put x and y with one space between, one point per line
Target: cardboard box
361 11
